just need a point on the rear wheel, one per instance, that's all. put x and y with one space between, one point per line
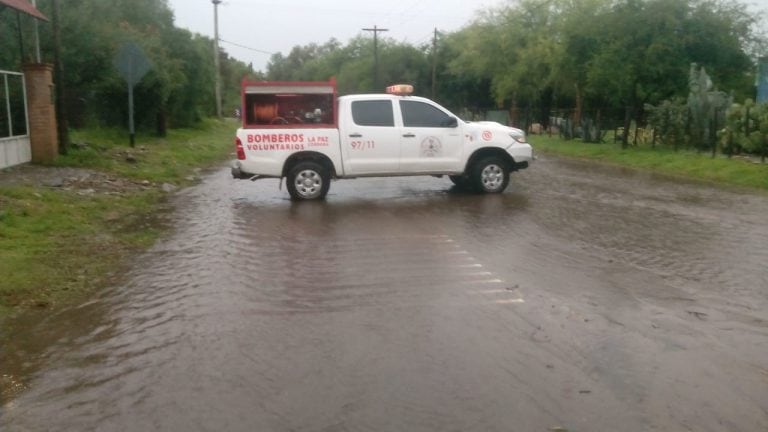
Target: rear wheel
308 181
490 175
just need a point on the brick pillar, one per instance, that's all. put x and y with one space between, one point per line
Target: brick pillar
42 112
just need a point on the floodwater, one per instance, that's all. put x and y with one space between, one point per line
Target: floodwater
585 298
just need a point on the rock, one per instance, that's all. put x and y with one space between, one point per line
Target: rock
130 159
54 182
146 183
168 188
190 178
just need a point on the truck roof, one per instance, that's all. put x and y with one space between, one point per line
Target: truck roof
383 96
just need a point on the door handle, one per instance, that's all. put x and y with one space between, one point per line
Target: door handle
409 135
355 135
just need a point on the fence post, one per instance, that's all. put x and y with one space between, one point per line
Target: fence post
713 133
627 124
746 123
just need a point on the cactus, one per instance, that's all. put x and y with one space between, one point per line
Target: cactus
706 107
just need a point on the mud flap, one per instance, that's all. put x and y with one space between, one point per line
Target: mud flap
237 174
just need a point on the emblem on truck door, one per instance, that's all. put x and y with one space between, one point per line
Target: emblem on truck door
431 147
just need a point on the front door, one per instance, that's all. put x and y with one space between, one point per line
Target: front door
431 141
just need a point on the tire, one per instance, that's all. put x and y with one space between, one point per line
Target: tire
490 175
460 181
308 181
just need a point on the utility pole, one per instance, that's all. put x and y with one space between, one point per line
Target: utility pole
216 54
58 80
37 36
375 31
434 65
22 53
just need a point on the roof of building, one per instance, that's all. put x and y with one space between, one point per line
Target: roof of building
24 6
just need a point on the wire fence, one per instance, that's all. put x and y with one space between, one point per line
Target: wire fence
670 126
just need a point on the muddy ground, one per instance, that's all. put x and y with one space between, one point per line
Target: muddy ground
585 298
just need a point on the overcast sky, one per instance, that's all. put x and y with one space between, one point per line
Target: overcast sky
251 30
278 26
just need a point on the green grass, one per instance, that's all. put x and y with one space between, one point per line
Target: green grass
168 159
58 246
684 163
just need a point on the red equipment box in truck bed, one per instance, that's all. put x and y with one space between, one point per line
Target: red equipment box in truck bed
285 105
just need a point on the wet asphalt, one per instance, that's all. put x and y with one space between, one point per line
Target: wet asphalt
584 298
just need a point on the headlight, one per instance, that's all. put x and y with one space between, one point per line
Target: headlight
518 136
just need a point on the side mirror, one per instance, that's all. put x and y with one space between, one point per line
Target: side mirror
452 122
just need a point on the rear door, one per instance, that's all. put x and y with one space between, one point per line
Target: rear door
431 139
370 143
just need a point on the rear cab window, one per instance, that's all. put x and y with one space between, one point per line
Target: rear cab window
373 113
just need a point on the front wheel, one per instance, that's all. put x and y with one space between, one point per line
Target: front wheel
459 180
308 181
490 175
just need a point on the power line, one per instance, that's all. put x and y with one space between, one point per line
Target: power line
246 47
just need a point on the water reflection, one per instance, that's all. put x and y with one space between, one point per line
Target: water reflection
258 313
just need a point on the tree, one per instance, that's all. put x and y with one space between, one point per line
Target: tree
177 91
352 64
515 48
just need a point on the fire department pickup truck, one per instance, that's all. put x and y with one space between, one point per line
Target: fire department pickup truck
303 132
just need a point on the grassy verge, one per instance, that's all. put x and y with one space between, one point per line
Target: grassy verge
701 166
58 245
169 159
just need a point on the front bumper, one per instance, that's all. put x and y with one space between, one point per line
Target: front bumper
520 165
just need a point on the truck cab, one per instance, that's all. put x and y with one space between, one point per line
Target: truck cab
305 133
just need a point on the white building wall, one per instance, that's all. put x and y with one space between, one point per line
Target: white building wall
14 151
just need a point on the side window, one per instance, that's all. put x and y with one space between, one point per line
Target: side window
373 113
419 114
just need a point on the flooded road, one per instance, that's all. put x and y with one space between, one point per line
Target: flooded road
585 298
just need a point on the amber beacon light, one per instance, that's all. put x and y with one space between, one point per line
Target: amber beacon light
400 89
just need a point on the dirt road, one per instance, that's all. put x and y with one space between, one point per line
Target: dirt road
585 298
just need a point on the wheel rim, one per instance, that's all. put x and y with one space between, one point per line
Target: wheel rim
308 184
492 177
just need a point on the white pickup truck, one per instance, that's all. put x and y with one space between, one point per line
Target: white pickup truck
302 131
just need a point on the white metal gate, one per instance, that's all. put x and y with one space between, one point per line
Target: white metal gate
14 123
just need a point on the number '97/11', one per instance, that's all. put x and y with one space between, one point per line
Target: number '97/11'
362 145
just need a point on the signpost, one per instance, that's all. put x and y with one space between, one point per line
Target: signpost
762 80
132 65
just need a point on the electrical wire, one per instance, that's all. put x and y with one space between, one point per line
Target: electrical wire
246 47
